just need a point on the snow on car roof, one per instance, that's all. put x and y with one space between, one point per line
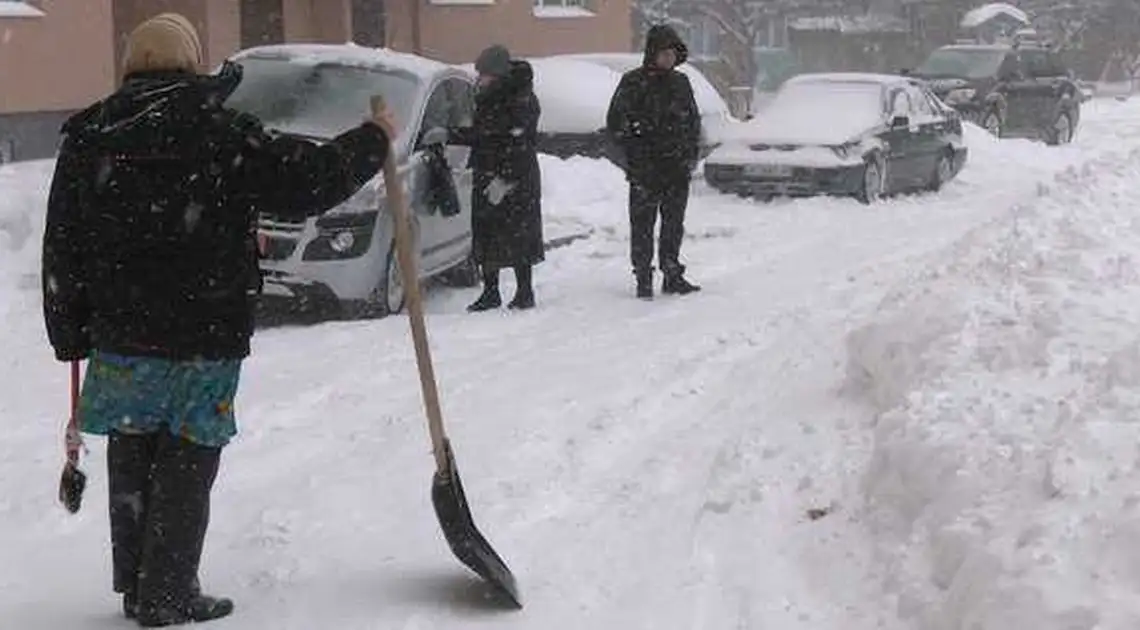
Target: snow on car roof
353 55
980 15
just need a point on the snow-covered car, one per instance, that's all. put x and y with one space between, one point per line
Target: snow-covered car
717 120
863 135
346 258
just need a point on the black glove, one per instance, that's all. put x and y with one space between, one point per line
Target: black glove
229 77
68 355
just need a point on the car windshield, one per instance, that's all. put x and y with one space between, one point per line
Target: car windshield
318 99
962 63
847 104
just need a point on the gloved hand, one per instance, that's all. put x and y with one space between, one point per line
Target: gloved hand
228 78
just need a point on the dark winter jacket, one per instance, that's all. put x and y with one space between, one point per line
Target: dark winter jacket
150 241
653 120
503 140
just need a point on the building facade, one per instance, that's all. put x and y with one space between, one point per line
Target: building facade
57 56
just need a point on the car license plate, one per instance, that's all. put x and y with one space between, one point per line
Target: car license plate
768 170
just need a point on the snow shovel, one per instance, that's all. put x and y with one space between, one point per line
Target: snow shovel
73 481
447 495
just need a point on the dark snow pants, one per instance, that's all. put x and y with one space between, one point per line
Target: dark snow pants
160 507
645 202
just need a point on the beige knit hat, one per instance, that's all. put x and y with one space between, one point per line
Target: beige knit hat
164 42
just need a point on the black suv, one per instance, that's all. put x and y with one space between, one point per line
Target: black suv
1013 91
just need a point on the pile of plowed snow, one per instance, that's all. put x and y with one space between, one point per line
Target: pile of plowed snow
23 200
1003 490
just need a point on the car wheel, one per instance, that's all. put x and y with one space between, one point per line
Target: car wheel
392 293
943 171
1062 130
874 182
465 274
386 299
991 122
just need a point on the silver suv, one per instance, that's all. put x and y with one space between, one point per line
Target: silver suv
346 257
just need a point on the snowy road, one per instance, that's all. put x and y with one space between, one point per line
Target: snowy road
640 466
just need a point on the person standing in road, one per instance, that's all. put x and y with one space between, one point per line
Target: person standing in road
655 128
506 205
150 272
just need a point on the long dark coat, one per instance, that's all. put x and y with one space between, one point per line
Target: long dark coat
503 140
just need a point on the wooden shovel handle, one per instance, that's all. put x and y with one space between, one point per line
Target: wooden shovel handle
398 206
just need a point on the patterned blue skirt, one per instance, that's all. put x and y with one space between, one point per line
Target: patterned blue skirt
193 400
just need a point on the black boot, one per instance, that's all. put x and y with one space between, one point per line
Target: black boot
200 608
178 514
676 284
490 298
644 283
524 295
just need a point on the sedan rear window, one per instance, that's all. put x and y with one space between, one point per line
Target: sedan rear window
319 99
962 63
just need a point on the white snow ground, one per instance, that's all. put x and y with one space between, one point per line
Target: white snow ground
653 465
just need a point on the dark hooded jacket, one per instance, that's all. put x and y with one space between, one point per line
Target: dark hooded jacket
150 241
503 138
653 120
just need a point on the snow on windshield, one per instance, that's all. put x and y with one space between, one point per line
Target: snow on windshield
967 63
319 99
820 112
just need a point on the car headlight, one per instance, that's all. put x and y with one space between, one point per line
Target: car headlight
342 241
844 151
342 236
962 95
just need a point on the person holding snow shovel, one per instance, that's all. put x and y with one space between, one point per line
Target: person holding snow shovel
150 271
506 206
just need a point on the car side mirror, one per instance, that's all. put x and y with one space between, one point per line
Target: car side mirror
899 122
435 136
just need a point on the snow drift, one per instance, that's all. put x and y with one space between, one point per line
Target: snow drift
23 201
1003 488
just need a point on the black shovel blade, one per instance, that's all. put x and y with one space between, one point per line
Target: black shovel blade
71 485
466 542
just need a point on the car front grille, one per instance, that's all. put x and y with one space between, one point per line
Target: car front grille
277 240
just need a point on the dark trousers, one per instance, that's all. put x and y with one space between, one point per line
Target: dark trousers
524 279
645 202
160 508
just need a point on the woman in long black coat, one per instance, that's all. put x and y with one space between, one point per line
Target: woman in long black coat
506 205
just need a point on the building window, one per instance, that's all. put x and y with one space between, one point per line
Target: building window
562 8
19 9
704 38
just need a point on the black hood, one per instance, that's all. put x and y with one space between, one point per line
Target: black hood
662 37
519 82
520 79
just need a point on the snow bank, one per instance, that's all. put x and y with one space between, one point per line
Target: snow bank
23 202
578 196
1004 489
